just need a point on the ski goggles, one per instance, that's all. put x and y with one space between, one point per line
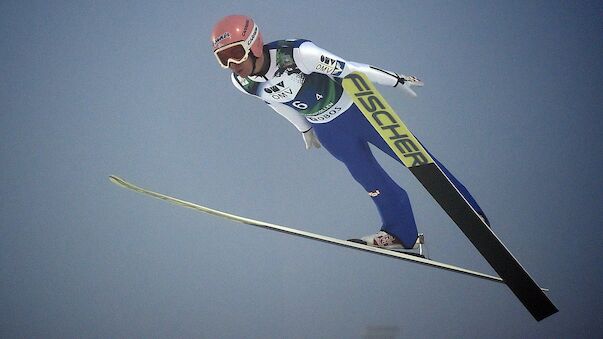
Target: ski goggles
235 53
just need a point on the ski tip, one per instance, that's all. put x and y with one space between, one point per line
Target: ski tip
116 180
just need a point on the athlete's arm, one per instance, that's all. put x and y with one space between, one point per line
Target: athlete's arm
300 122
293 116
311 58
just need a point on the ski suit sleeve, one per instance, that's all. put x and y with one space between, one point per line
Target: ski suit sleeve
298 120
311 58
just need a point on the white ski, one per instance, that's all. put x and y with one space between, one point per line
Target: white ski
393 254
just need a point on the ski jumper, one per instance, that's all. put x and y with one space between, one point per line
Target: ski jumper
303 84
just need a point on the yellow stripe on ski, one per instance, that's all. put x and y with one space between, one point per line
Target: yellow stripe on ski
385 120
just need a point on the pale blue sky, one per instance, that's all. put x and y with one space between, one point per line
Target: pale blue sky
512 105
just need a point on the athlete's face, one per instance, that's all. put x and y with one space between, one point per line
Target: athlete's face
244 69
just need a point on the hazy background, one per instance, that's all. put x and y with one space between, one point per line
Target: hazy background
512 105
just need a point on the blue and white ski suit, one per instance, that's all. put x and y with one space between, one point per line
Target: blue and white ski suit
303 84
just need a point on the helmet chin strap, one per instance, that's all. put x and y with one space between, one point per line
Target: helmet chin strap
255 61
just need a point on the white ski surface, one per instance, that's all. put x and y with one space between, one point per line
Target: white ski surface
398 255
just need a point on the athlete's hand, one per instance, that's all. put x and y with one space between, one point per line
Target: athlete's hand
310 139
406 82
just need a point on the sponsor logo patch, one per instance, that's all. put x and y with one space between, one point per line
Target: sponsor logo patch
374 193
254 33
387 122
279 91
330 66
225 35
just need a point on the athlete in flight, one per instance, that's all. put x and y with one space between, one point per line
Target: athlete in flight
302 82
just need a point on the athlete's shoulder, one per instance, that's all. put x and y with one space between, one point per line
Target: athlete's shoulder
287 43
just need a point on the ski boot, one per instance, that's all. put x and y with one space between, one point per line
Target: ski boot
387 241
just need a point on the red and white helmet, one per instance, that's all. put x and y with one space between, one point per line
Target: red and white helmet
233 37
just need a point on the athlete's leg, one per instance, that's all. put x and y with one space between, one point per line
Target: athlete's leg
393 204
375 139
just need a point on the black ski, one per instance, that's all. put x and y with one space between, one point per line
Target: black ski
420 163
